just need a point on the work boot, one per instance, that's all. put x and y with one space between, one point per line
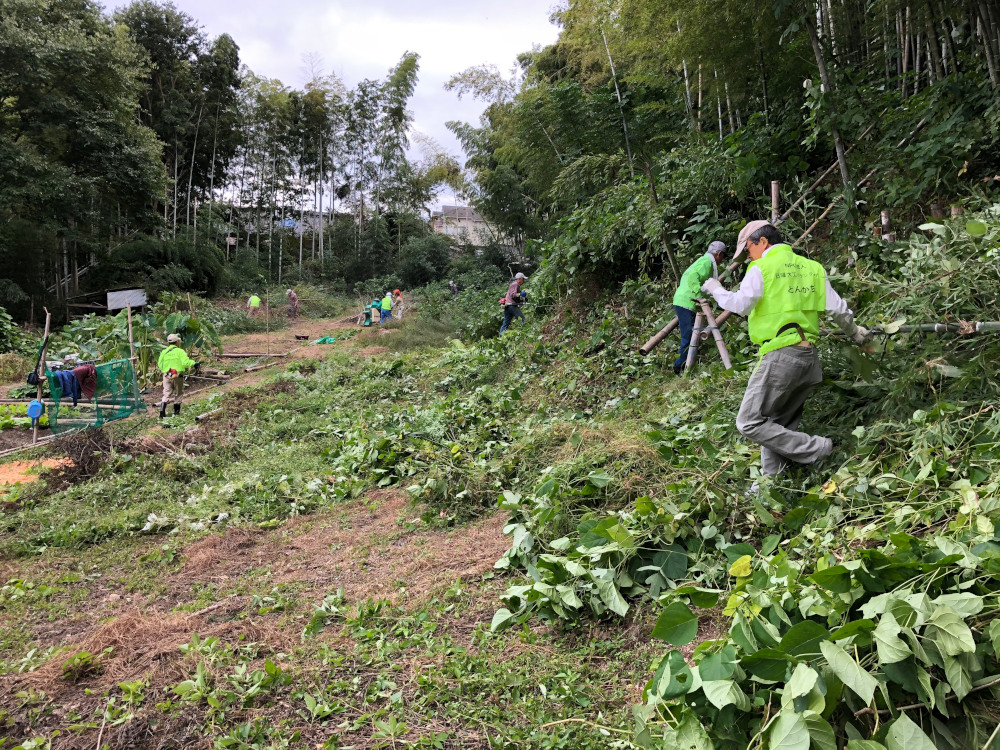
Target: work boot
163 411
177 409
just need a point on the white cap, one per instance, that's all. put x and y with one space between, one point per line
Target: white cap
173 338
745 232
520 276
288 291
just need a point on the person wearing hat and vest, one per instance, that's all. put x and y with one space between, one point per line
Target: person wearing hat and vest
173 363
783 296
703 269
512 302
386 308
397 303
253 305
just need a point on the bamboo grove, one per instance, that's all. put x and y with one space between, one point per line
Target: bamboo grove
716 99
133 148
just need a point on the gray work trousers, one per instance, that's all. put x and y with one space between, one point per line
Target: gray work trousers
772 408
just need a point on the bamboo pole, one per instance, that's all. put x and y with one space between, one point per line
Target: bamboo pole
131 342
45 348
775 200
267 319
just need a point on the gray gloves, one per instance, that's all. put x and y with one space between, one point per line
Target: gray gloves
860 335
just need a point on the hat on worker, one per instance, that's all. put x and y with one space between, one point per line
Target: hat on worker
745 232
520 276
716 247
173 338
395 291
288 291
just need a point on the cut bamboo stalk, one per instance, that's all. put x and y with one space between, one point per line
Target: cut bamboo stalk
45 347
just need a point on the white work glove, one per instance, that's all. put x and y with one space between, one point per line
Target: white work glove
711 286
860 335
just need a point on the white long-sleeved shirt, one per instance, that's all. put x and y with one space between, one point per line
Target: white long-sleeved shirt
743 300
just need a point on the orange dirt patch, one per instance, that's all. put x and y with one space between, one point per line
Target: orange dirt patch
371 351
18 472
363 549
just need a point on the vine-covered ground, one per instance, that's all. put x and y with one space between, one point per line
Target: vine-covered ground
539 541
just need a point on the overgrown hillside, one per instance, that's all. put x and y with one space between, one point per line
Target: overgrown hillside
258 580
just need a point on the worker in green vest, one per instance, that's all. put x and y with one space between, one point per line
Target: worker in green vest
703 269
173 363
386 313
783 295
253 305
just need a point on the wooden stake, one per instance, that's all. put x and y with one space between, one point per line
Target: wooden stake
131 342
775 200
45 347
713 326
267 320
692 352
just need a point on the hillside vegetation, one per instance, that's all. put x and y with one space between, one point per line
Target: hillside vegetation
257 581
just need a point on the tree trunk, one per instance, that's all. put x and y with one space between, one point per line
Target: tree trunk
175 187
932 44
838 142
621 107
763 83
194 153
699 98
729 110
988 50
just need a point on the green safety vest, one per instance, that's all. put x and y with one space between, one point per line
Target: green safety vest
794 292
173 358
387 303
254 301
690 287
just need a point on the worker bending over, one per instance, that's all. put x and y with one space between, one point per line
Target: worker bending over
783 295
703 269
173 363
253 305
293 304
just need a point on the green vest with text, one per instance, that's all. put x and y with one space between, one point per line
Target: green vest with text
255 301
794 292
387 303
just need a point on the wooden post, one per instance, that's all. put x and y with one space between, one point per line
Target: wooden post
775 201
131 341
713 326
887 234
45 347
692 352
267 319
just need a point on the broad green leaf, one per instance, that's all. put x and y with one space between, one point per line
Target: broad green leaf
610 595
995 636
949 632
676 625
801 683
720 666
836 579
820 731
854 628
677 678
965 604
722 693
975 228
865 745
599 479
804 638
501 619
789 732
849 671
741 568
891 648
958 677
689 735
767 664
904 734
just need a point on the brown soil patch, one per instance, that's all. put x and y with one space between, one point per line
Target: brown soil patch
363 550
371 351
18 472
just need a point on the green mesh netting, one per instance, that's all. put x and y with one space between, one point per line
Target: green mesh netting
117 396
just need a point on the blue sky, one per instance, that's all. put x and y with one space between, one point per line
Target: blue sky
359 40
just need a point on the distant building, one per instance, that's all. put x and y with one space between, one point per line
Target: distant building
463 223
